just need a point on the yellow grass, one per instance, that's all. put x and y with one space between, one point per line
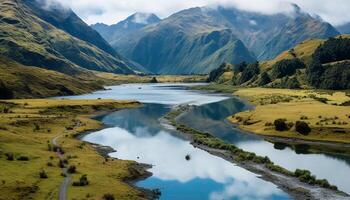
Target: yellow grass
20 179
120 79
295 105
303 51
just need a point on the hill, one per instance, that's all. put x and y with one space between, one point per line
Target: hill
223 33
53 38
322 64
19 81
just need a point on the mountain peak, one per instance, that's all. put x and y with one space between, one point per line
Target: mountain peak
143 18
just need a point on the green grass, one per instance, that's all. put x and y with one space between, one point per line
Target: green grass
21 137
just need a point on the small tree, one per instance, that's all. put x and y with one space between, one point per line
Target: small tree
302 128
72 169
83 181
281 125
108 197
43 174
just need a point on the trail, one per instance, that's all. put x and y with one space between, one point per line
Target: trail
62 194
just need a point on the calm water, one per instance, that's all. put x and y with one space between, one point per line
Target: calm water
136 134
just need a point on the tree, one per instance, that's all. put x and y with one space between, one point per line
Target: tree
281 125
286 67
5 92
302 128
264 79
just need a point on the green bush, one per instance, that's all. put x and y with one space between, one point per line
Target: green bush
281 125
9 156
42 174
302 128
72 169
83 181
108 197
23 158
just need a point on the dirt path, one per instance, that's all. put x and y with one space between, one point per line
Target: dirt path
62 194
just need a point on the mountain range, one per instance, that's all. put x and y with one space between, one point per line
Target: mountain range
196 40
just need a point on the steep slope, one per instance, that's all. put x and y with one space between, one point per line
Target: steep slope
179 46
19 81
54 39
321 64
116 32
265 35
344 29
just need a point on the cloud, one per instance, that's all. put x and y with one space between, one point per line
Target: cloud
112 11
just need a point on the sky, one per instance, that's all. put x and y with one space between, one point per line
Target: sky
337 12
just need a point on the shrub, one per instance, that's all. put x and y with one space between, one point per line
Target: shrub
9 156
23 158
83 181
42 174
72 169
281 125
49 164
108 197
286 67
302 128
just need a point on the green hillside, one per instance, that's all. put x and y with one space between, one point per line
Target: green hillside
45 41
18 81
323 64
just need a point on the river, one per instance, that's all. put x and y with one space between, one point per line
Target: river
136 134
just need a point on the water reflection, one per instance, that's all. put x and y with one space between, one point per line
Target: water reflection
300 156
202 177
161 93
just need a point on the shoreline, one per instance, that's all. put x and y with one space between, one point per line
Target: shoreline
287 183
138 171
278 138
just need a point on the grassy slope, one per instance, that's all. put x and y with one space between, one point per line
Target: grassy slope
19 136
29 82
26 38
272 104
303 51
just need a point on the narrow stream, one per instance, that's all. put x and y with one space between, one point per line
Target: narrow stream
136 134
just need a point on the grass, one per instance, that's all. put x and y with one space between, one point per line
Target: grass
21 137
222 88
122 79
239 155
320 109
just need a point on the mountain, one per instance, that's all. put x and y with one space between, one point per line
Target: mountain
54 38
315 63
115 32
156 46
344 29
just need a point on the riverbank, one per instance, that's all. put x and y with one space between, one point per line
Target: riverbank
326 112
299 185
26 130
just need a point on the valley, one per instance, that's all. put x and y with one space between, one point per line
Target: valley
188 100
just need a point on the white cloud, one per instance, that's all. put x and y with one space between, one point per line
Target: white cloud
112 11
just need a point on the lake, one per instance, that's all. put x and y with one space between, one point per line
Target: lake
136 134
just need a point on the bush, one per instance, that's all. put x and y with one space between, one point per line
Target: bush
281 125
72 169
83 181
108 197
23 158
286 67
9 156
43 174
302 128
